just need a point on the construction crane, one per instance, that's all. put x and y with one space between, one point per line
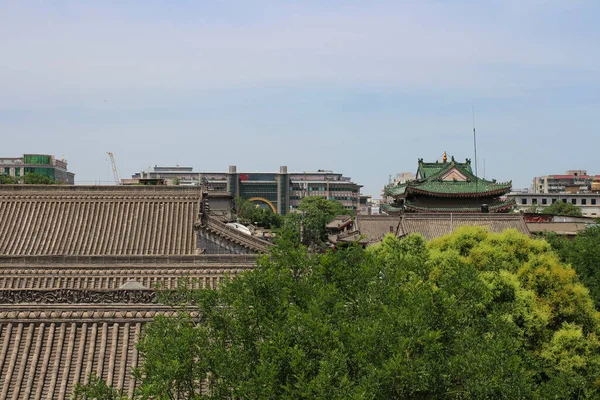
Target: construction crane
114 168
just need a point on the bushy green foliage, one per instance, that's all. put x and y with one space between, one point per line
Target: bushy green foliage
562 208
34 179
250 213
97 389
8 180
316 214
583 253
473 315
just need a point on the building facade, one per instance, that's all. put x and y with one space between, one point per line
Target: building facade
589 202
280 191
39 164
571 181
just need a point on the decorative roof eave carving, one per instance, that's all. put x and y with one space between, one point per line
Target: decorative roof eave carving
77 296
59 313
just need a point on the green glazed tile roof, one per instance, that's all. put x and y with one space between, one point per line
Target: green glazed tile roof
495 206
430 182
430 170
396 190
457 188
388 208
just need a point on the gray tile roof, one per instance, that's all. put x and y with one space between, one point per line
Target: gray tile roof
68 220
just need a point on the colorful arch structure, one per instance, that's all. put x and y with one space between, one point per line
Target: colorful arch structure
267 202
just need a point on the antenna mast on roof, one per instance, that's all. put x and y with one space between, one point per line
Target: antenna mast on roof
475 148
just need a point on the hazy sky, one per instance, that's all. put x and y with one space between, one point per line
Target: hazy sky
359 87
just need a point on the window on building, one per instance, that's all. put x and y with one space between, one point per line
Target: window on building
533 201
544 201
524 201
553 201
583 202
573 201
594 202
564 200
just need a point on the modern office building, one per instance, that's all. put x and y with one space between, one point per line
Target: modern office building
280 191
39 164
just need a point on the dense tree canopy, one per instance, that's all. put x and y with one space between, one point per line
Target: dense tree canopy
8 180
250 213
471 315
29 179
562 208
583 253
316 213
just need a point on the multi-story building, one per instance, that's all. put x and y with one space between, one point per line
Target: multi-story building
39 164
588 202
281 191
572 181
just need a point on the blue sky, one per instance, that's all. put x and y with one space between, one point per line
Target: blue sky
359 87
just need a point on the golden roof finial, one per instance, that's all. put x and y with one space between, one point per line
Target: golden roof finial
445 157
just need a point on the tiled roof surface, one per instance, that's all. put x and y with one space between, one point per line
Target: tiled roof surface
46 349
481 187
398 190
75 273
374 227
436 225
428 170
560 228
339 222
493 206
218 227
430 182
66 220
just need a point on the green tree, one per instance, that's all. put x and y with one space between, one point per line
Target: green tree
562 208
474 315
97 389
583 253
248 212
316 214
8 180
31 178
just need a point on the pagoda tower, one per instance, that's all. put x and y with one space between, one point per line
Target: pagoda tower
447 187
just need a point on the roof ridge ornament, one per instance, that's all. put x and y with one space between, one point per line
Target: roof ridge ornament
445 157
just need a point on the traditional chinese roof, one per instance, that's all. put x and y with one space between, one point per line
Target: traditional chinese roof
65 317
494 206
448 179
372 228
339 222
115 272
97 220
215 226
437 225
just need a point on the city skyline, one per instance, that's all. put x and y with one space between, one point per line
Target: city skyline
352 87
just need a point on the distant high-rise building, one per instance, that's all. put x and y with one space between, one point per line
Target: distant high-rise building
39 164
280 191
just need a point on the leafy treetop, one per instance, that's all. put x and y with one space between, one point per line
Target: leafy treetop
562 208
472 315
